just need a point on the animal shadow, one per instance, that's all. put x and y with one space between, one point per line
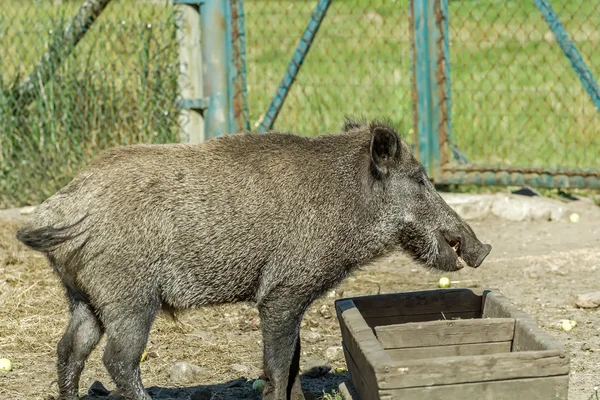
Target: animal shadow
313 388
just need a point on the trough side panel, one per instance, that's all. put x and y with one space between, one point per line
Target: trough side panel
439 333
475 349
423 302
552 387
466 369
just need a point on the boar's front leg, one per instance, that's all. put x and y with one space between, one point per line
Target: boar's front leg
280 320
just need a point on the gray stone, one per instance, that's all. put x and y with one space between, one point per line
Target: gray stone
324 311
184 372
240 368
586 347
312 337
506 206
334 353
469 207
520 208
588 300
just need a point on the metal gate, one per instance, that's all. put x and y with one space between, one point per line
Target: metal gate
524 105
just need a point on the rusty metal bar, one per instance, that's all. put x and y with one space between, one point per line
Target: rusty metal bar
294 66
217 65
240 88
570 50
515 176
425 84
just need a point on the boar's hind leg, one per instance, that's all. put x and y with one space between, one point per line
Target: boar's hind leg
280 320
127 329
80 338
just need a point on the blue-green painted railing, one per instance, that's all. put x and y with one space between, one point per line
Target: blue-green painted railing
432 106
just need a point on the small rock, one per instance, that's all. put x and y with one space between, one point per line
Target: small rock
242 369
183 372
588 300
98 389
312 337
586 347
202 394
152 354
557 271
334 353
324 311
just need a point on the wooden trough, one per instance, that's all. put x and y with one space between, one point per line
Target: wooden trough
448 344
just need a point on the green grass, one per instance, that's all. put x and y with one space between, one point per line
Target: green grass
332 396
515 98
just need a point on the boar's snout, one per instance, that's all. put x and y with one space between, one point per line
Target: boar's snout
484 250
471 250
460 247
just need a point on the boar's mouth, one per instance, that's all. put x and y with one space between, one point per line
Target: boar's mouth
449 257
452 255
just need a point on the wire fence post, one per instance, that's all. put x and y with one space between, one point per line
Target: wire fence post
212 80
218 60
431 83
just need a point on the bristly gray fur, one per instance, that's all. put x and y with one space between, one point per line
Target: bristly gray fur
275 219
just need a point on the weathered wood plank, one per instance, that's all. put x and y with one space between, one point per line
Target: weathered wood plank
475 349
347 391
464 369
528 336
365 350
423 302
496 305
190 79
362 387
402 319
439 333
552 387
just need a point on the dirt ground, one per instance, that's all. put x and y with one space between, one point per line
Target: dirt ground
540 266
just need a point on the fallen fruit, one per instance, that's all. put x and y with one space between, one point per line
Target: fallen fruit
444 282
5 364
568 324
574 217
340 370
258 385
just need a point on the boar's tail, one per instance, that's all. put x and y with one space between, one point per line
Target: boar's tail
46 238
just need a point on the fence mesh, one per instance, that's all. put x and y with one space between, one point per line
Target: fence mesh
118 86
515 98
359 63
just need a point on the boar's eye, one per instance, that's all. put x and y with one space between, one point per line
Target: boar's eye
419 178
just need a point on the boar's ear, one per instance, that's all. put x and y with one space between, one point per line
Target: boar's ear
384 148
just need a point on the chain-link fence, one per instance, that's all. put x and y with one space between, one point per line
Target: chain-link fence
118 86
359 63
516 100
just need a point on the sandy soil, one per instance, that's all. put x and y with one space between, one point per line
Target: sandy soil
541 266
